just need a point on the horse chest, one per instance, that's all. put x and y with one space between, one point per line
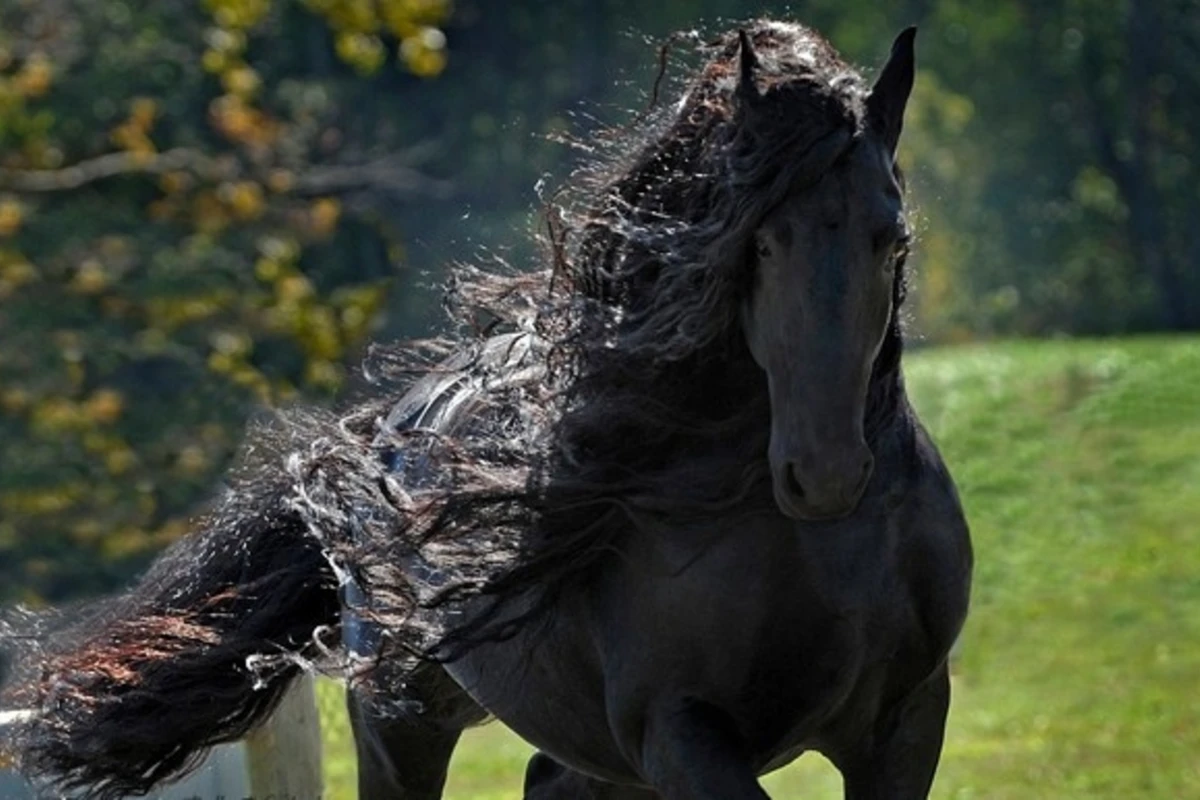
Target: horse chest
741 626
799 636
777 629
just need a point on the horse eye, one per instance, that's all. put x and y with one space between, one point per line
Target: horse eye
762 249
898 251
898 242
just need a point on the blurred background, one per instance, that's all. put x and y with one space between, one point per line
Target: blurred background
208 207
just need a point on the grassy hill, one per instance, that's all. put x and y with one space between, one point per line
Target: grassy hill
1079 672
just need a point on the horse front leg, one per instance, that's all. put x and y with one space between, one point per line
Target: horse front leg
692 751
406 755
398 760
908 744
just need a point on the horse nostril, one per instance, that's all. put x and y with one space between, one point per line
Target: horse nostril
793 483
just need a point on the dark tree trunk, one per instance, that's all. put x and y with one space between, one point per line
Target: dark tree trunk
1133 172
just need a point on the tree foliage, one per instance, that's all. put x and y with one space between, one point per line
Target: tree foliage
184 215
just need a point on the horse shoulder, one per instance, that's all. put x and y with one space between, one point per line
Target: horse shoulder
936 551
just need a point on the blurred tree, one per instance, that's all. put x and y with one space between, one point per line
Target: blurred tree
1052 150
188 226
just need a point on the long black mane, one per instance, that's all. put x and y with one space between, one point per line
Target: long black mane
605 393
639 403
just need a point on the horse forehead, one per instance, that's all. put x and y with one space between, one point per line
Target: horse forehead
827 200
860 188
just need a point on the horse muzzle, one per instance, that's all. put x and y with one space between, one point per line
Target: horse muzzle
827 487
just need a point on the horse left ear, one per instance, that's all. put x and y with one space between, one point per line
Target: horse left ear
889 95
747 66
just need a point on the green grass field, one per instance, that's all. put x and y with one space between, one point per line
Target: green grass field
1079 672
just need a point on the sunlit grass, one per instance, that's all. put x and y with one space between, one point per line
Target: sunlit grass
1079 672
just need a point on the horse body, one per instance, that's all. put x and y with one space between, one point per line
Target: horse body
701 651
675 524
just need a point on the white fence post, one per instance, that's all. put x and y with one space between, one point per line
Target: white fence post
283 755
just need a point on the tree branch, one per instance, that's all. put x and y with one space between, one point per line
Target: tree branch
106 166
392 175
389 175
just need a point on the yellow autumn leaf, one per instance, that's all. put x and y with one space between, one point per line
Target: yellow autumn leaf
35 77
266 269
14 400
424 53
11 215
90 278
363 51
324 374
104 405
241 81
208 213
244 199
324 216
293 288
18 272
175 181
214 61
192 460
119 461
142 113
280 180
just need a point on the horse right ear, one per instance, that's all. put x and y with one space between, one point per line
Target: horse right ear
747 89
889 95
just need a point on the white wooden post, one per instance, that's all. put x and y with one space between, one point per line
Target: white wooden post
283 755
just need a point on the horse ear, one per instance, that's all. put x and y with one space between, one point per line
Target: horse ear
748 60
889 95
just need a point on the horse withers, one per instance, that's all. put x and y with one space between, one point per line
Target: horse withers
671 518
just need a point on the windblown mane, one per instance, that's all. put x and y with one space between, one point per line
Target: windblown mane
604 394
639 403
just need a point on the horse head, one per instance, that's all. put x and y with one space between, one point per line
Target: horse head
825 263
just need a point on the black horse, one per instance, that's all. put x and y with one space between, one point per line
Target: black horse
667 512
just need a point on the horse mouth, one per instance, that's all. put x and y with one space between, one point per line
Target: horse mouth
796 507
